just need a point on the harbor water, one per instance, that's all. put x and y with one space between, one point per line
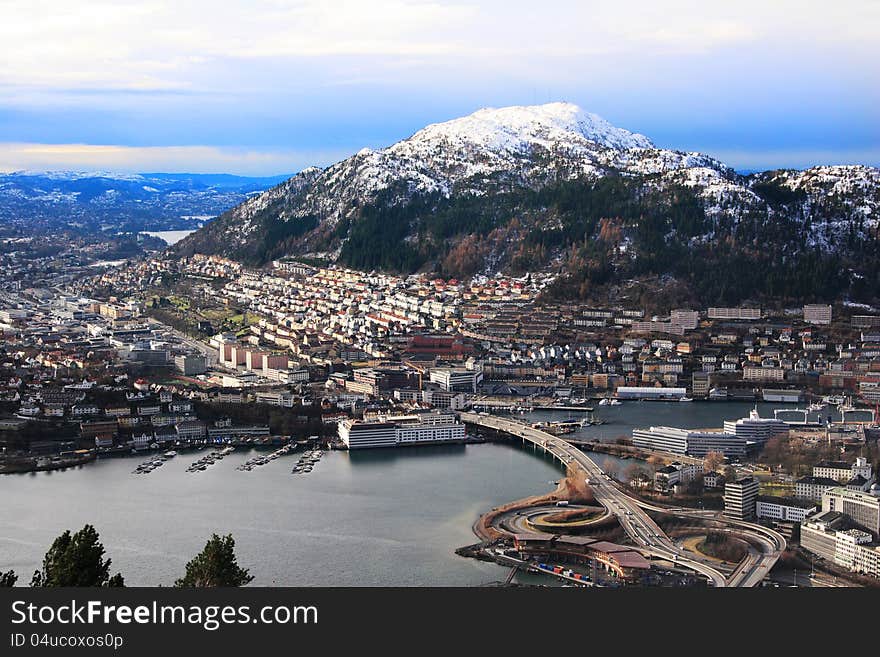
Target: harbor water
377 517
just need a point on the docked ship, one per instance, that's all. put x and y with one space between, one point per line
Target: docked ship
560 428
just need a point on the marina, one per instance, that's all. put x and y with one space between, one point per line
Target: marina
257 461
154 462
215 455
307 461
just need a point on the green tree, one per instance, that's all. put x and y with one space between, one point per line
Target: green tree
9 578
216 565
76 560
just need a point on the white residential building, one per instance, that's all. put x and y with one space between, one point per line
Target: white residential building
842 471
817 313
813 488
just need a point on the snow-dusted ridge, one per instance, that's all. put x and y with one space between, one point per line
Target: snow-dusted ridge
497 149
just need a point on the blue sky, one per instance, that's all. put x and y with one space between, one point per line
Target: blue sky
272 86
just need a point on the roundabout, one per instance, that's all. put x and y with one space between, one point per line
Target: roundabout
639 519
572 519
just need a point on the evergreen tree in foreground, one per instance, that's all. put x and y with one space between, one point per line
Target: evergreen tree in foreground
76 560
216 565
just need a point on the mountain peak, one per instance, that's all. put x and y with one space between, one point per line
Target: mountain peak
516 127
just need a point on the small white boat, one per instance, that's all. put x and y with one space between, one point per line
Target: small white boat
686 399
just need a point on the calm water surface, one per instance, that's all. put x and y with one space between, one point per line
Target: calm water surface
169 236
358 519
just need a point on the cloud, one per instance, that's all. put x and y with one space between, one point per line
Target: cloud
160 44
133 159
275 85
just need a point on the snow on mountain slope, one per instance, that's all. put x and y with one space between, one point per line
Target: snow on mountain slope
854 185
494 151
489 150
838 199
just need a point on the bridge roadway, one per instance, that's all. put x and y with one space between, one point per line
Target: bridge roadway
631 511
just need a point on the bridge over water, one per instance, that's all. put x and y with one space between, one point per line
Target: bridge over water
631 512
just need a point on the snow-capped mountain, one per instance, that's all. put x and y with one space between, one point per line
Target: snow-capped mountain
472 175
489 150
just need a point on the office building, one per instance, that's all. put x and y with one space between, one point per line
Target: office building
740 498
856 551
650 392
842 471
756 428
190 430
191 364
783 509
459 379
429 428
700 385
860 507
362 435
830 536
690 442
391 431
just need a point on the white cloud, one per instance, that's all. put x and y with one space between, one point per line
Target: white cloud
160 44
133 159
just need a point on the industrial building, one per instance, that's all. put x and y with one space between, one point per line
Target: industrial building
650 392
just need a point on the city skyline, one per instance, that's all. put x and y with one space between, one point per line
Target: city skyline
274 87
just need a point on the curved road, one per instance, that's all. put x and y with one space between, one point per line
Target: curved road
631 512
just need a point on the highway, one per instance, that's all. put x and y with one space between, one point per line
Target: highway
631 512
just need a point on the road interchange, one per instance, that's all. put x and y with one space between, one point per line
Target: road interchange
632 515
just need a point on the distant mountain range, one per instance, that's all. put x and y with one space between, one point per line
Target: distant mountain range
92 202
555 188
